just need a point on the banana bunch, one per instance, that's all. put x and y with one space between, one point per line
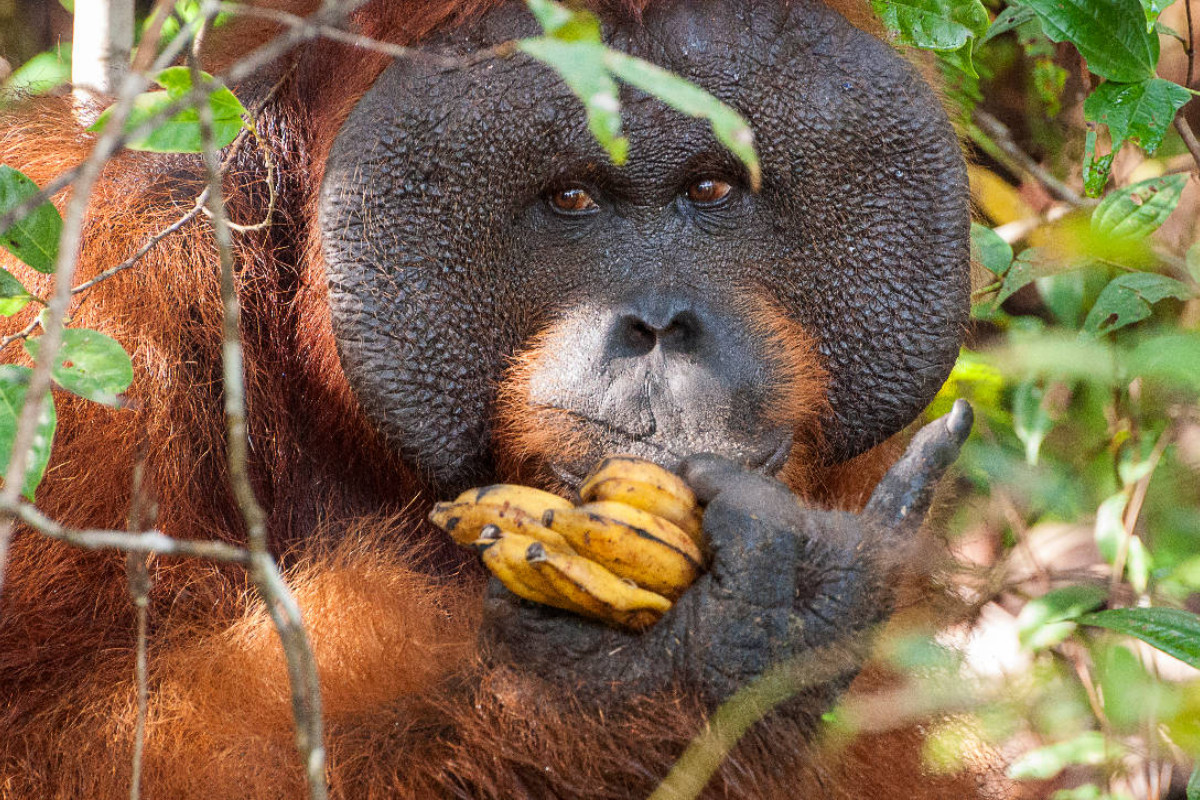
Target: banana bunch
622 556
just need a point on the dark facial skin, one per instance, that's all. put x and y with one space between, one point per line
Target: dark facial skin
467 211
446 255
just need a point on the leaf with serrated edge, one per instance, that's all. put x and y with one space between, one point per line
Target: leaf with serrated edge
1110 34
1174 631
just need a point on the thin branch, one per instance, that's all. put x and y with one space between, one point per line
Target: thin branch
1188 135
137 574
1191 46
264 572
1020 161
152 541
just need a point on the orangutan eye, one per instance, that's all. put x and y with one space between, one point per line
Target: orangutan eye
708 192
573 201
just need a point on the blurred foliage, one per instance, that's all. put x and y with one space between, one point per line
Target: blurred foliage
1081 480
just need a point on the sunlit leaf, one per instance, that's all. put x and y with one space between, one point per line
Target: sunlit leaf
181 132
90 365
1152 8
1174 631
13 296
34 237
1089 748
1045 620
1140 111
1138 210
42 73
1127 299
933 24
1009 19
14 380
1110 34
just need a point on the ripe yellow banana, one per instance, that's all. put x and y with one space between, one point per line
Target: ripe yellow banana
594 591
634 544
528 499
645 485
464 521
506 558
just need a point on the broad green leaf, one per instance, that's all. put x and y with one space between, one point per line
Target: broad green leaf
989 250
1127 299
1174 631
933 24
581 66
1009 19
34 237
1138 210
1089 748
1045 621
13 382
728 126
13 296
42 73
181 132
1031 422
90 365
1140 111
1110 34
1170 357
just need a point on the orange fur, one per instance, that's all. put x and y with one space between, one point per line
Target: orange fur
412 708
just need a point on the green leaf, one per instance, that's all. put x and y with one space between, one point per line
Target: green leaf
42 73
581 66
933 24
1095 170
90 365
565 24
1174 631
1110 34
14 381
728 126
181 132
69 5
1193 784
1031 422
34 237
1109 529
1138 210
1088 748
1127 299
1140 111
13 296
1019 275
989 250
1152 8
1171 357
1009 19
1045 621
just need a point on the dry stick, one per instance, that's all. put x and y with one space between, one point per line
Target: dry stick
1188 136
301 664
1023 162
137 574
64 271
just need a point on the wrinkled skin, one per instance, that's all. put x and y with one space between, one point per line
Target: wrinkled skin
446 259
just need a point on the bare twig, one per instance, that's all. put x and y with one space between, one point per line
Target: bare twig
1188 135
152 541
1020 161
137 574
301 663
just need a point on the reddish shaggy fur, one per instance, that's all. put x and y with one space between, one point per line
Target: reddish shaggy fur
412 709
